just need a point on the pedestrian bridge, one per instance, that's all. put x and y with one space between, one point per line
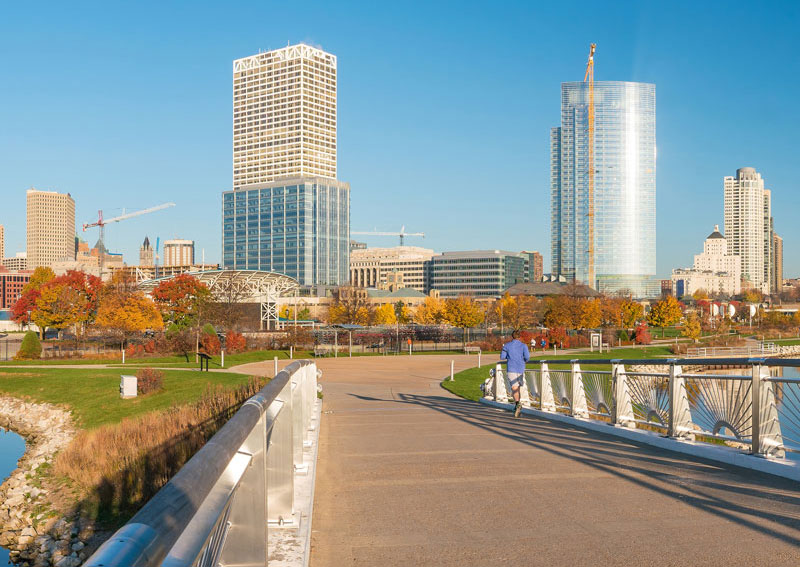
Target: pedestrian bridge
409 474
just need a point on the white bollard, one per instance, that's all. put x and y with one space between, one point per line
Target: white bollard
291 352
479 359
276 366
452 370
222 361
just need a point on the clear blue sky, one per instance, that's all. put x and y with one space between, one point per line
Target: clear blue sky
444 110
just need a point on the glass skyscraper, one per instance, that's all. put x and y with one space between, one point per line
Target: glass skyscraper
287 212
298 227
624 187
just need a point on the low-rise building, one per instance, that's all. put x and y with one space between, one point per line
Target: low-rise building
400 265
11 284
16 263
714 270
476 273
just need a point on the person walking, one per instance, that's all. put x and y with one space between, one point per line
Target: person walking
516 354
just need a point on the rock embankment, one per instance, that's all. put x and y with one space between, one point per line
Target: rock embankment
28 526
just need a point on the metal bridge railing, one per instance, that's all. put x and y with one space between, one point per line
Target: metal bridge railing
752 404
217 509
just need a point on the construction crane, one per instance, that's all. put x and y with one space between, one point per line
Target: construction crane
103 222
402 234
588 78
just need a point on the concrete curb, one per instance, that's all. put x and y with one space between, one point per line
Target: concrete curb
728 455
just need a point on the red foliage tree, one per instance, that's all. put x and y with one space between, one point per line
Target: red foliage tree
180 299
643 335
235 342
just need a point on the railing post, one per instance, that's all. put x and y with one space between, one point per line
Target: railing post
524 392
767 439
280 465
578 403
623 407
500 391
546 399
680 418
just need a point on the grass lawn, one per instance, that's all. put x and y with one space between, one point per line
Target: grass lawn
93 394
784 342
176 361
467 383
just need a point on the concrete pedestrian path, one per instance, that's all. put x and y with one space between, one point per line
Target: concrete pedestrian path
409 474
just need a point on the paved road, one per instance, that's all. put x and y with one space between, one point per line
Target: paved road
411 475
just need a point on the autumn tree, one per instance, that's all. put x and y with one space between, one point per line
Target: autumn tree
664 313
67 301
385 315
632 311
26 303
351 306
463 312
693 329
402 313
611 311
181 300
562 311
591 315
430 312
128 314
700 293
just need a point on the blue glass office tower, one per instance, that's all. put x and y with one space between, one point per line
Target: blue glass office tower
297 227
624 187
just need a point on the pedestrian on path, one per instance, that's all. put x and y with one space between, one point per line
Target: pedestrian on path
516 354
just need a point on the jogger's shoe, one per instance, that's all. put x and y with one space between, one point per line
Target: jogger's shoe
517 409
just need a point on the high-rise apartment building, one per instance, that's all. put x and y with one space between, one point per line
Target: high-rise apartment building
748 225
50 228
287 212
624 154
178 252
284 115
715 270
777 263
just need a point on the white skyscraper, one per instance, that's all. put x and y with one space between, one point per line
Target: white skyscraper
284 115
748 225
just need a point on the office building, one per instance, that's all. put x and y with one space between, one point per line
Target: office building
16 263
178 252
146 254
534 266
297 227
715 270
399 266
748 225
287 212
2 243
476 273
777 264
11 284
50 227
620 255
284 115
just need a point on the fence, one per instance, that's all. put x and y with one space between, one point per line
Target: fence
757 409
704 352
218 508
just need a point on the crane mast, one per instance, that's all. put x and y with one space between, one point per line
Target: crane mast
588 78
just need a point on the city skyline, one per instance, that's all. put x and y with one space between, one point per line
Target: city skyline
446 158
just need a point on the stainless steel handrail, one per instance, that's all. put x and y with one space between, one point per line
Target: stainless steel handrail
150 537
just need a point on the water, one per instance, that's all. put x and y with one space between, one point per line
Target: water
12 446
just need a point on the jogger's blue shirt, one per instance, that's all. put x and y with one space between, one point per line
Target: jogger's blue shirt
516 354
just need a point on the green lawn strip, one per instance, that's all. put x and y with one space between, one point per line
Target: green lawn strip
467 382
93 394
176 361
785 342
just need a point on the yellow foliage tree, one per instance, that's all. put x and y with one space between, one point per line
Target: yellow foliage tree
59 307
127 314
632 311
693 329
700 294
463 312
665 313
431 312
591 314
385 315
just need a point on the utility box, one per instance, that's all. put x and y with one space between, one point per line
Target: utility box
128 387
